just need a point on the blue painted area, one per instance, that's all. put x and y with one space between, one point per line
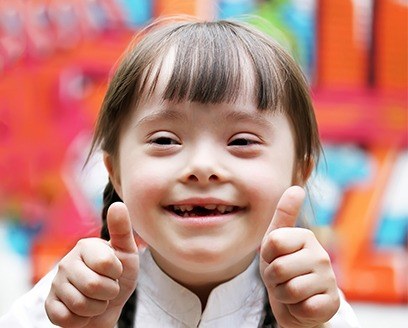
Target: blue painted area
20 235
235 8
392 227
392 232
137 13
342 167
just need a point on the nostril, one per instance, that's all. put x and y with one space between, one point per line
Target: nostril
197 178
193 178
213 177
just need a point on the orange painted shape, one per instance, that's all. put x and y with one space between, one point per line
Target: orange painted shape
175 7
342 58
368 273
391 50
358 218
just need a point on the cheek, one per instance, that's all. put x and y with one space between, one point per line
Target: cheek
142 187
265 185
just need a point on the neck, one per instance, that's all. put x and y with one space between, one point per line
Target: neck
201 279
202 292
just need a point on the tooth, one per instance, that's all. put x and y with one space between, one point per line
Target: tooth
176 208
210 207
229 208
185 208
221 208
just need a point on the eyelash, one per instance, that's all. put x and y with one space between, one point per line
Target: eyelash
238 142
164 141
242 142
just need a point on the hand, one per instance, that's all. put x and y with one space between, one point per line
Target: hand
296 270
96 278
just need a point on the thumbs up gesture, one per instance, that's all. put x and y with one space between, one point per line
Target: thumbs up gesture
96 278
296 269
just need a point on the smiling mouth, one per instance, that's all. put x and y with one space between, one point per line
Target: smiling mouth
187 211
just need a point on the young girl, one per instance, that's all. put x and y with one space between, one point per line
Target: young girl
208 134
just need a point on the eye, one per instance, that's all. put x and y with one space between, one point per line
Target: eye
242 140
164 141
245 145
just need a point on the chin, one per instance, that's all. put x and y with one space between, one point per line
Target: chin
211 259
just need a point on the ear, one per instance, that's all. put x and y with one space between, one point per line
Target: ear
113 172
303 173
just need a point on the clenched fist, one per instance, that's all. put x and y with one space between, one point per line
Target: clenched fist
296 270
96 278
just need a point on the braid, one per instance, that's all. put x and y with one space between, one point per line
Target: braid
127 316
269 319
110 196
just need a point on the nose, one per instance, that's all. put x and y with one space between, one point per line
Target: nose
203 166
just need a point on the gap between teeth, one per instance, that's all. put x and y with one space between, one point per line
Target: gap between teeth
211 207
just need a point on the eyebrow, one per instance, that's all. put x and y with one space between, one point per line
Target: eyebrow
239 116
229 116
163 114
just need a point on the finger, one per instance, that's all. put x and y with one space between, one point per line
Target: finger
92 284
284 241
319 307
61 316
288 208
120 228
98 256
287 267
78 303
299 289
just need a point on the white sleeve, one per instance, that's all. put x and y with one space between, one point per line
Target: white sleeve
345 316
28 311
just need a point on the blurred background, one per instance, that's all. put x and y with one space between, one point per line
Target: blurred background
57 55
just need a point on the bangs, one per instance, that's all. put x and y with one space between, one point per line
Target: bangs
208 63
213 63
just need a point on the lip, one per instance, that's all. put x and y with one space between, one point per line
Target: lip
203 221
202 201
206 220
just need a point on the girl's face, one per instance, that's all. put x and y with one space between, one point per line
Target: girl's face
201 182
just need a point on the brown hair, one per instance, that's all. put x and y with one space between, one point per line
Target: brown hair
210 66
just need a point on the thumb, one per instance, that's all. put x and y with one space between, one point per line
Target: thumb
288 208
120 228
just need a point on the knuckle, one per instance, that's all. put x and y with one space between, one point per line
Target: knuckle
307 309
274 241
79 306
293 290
309 234
268 278
105 262
106 289
324 259
63 267
312 309
277 268
83 243
115 290
93 285
332 282
335 302
49 309
57 317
